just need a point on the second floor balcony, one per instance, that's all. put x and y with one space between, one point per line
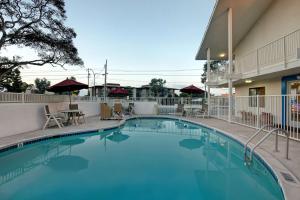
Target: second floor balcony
275 57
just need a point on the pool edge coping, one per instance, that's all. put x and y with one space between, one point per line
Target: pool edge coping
287 193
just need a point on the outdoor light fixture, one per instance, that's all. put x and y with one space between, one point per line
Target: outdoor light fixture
222 55
248 81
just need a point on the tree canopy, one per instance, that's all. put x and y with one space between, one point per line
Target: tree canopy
157 86
38 25
12 82
213 66
41 85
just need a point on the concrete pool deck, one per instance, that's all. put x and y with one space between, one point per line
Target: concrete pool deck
92 124
276 160
266 150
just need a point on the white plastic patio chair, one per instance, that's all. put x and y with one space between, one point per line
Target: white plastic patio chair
52 117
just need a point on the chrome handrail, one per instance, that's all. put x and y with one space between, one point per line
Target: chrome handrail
264 138
253 136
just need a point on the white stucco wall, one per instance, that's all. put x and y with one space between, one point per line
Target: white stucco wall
280 19
145 108
273 104
272 87
18 118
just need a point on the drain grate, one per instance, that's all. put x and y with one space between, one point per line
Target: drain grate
288 177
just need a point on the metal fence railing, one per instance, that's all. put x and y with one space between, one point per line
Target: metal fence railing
7 97
281 111
169 105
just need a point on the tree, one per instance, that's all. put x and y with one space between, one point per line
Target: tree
182 94
157 86
214 65
41 85
12 82
38 25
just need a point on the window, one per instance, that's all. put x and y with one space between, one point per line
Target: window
253 92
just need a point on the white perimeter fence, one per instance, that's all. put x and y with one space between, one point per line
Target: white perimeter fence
281 111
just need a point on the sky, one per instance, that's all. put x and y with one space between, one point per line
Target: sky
141 39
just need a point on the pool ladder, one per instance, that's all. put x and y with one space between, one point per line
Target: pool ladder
248 159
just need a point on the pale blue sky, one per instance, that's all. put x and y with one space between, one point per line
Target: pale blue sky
136 35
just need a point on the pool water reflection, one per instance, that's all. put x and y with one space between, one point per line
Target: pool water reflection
145 159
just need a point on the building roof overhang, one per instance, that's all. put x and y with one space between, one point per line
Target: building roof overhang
245 14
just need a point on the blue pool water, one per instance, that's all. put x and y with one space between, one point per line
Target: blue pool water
145 159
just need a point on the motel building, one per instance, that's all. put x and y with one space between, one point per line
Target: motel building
258 42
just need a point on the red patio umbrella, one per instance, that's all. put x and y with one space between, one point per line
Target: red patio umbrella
67 85
192 90
118 92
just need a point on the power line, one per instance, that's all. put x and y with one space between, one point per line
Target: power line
145 81
153 75
170 70
54 75
114 75
122 70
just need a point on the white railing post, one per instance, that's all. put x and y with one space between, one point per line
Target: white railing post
257 62
284 53
257 111
23 97
230 65
218 108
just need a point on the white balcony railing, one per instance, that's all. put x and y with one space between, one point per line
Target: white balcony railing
263 60
280 52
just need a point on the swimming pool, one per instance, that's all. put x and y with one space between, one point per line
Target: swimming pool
147 158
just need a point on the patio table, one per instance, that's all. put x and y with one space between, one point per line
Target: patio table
71 114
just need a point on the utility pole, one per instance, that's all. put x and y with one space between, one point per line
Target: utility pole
88 82
94 89
105 79
208 79
94 84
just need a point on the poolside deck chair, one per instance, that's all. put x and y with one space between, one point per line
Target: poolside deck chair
203 112
248 117
180 110
131 109
118 110
79 114
105 111
52 117
266 118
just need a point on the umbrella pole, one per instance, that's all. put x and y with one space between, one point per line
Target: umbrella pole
191 97
70 97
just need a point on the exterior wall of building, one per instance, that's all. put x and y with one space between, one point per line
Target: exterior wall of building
272 87
280 19
18 118
133 92
272 104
